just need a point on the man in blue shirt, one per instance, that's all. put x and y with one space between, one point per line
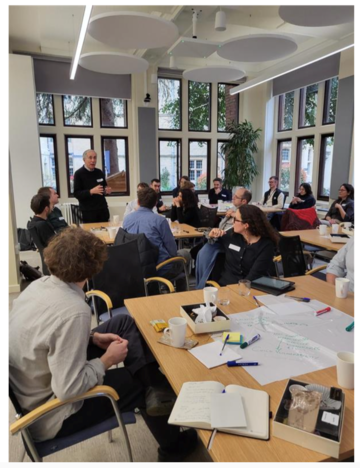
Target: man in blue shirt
157 230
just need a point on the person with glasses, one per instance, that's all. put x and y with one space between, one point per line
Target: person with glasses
342 209
274 197
249 248
242 196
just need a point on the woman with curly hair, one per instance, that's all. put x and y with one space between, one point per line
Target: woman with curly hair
185 209
249 248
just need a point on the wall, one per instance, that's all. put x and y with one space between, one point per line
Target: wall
14 275
23 135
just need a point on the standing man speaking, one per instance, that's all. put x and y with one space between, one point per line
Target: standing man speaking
90 188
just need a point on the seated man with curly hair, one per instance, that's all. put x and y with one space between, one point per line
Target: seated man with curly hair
53 352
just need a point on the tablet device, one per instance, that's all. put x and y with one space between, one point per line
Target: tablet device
274 283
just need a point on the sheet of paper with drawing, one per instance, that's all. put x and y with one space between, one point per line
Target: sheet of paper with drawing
209 354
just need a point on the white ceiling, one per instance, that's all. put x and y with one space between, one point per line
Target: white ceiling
53 30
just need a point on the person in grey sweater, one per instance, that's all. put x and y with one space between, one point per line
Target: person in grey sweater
54 353
342 265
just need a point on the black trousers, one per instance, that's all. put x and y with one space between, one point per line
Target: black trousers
96 216
130 382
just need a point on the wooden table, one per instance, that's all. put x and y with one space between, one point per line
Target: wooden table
312 237
180 366
180 231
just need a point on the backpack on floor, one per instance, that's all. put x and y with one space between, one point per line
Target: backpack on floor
29 273
25 240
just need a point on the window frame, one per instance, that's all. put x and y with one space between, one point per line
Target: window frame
281 113
63 113
109 126
283 140
217 106
53 105
210 111
326 102
179 167
91 137
298 161
302 109
52 135
117 137
320 196
181 102
208 166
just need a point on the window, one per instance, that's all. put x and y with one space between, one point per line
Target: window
199 164
283 164
113 113
228 106
49 168
45 109
220 161
326 157
304 161
116 164
77 111
169 164
308 106
286 111
330 100
169 103
199 107
75 147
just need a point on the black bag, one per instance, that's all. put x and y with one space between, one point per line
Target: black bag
25 240
29 273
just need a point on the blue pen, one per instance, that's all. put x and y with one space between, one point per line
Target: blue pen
241 364
257 302
300 299
350 327
228 336
248 343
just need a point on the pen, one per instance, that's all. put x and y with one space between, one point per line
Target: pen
228 336
350 327
186 231
322 311
257 302
301 299
241 364
248 343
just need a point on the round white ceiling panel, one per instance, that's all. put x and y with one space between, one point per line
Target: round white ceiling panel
214 74
132 30
114 63
257 48
317 16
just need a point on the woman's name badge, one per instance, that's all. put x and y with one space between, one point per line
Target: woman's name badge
234 247
99 180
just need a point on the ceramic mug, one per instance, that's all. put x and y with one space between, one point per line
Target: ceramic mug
322 229
335 228
342 287
345 370
210 294
176 331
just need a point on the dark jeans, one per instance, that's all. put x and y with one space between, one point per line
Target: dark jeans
130 382
96 216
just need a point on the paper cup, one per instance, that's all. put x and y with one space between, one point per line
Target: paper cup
342 287
345 370
116 219
323 230
335 228
112 232
176 331
210 294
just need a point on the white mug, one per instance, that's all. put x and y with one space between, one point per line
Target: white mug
112 232
345 370
347 225
210 294
335 228
342 287
323 230
176 331
116 219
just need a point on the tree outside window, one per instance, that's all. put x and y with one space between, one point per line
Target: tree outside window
113 113
169 154
115 164
308 106
199 106
169 104
77 111
331 95
45 109
286 111
228 106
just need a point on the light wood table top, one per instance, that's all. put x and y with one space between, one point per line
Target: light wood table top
180 366
312 237
180 231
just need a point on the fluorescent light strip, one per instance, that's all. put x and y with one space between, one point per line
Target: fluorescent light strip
245 87
81 40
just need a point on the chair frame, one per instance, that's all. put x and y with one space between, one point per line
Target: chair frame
24 421
175 259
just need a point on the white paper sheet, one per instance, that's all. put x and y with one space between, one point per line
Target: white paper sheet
209 354
227 410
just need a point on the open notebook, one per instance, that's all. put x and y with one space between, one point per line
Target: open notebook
193 408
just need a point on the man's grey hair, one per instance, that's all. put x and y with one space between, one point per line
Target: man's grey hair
86 152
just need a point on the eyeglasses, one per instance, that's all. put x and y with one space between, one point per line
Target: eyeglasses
239 221
239 198
342 190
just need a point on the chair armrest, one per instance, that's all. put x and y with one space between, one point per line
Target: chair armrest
98 390
161 280
314 270
170 260
213 283
102 295
277 259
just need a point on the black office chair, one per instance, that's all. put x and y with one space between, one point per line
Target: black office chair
76 214
40 246
208 216
38 450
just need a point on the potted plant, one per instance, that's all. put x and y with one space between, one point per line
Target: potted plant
240 168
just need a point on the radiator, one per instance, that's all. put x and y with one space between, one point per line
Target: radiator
66 212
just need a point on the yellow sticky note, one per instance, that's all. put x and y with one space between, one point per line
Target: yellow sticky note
234 338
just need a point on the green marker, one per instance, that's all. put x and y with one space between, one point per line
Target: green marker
350 327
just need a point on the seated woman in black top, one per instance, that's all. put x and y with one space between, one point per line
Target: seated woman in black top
184 208
342 209
304 199
249 248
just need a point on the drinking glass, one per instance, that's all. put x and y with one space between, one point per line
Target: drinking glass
224 296
244 287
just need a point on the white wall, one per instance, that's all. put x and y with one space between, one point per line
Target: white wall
23 135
